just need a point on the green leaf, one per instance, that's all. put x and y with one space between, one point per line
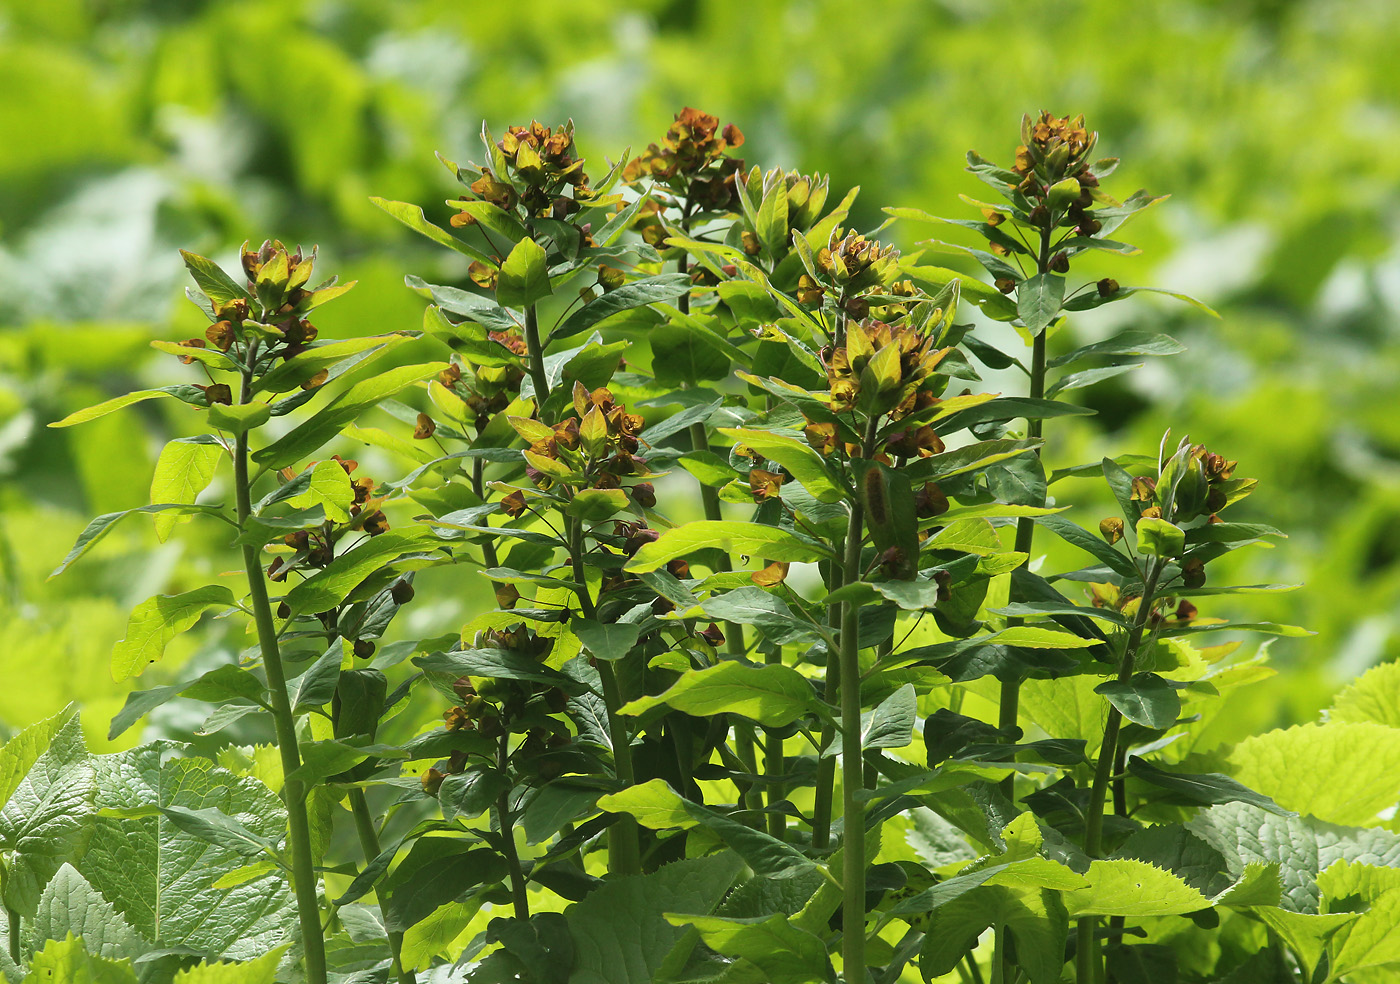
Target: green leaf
773 695
524 277
609 641
1374 697
1038 300
312 434
156 621
330 586
412 216
1091 299
784 953
794 454
217 827
653 804
437 870
100 526
162 878
1079 380
69 905
48 818
1360 761
471 793
210 357
67 961
186 393
772 222
1146 699
596 505
620 933
316 687
768 542
972 457
239 418
328 487
301 367
263 970
1129 887
889 725
1035 918
1091 543
183 470
20 753
1131 343
498 663
1371 941
638 293
752 605
218 286
1160 538
493 217
1208 787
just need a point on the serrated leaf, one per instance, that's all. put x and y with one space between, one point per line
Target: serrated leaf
48 819
1360 760
1128 887
69 904
1374 696
161 878
156 621
67 961
784 953
262 970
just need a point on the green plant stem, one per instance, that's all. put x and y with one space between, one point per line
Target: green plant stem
284 722
535 352
14 931
624 844
999 954
773 764
1008 712
369 844
506 821
826 767
852 753
1088 967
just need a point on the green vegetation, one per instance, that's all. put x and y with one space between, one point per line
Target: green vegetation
554 604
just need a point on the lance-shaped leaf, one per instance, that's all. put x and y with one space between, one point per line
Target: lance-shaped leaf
773 695
1038 300
638 293
183 392
498 663
794 454
300 368
889 725
966 459
751 605
330 586
156 621
771 543
412 216
1209 787
782 952
524 276
103 524
1128 343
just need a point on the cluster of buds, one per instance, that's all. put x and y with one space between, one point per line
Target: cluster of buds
883 368
848 264
1166 611
315 549
542 164
595 448
692 162
489 389
277 281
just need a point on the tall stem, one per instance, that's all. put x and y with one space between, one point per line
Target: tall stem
773 764
284 723
506 821
852 754
826 767
624 845
1008 713
369 844
1086 956
536 355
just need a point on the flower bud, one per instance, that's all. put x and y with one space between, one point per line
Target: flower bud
1111 529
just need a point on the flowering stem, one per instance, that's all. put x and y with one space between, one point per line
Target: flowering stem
1087 958
505 820
284 722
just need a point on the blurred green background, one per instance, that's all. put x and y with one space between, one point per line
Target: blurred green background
133 128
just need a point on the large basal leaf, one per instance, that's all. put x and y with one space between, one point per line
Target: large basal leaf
263 970
1129 887
70 905
162 878
620 933
1036 919
48 820
67 961
1361 763
1374 696
784 953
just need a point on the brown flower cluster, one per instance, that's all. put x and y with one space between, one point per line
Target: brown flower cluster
488 389
691 161
593 448
542 163
882 368
1056 149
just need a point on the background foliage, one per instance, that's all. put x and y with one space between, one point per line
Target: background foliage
142 127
